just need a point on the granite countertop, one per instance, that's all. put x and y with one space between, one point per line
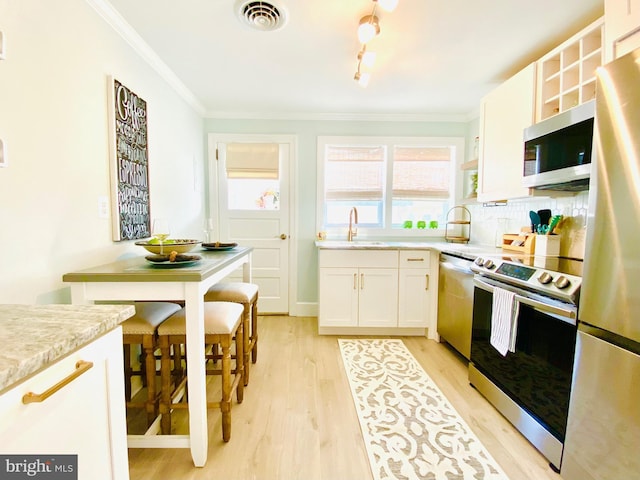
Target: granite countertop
462 249
34 336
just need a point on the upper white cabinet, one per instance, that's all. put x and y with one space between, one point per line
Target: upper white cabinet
504 114
567 74
622 30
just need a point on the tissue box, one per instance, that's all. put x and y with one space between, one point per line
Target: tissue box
547 245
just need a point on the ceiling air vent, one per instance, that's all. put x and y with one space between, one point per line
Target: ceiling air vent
264 16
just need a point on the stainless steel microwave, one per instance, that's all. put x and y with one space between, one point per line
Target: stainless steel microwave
558 150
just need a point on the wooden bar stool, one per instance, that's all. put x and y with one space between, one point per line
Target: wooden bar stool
141 330
245 294
222 323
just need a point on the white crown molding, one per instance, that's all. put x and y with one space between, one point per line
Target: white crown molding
126 31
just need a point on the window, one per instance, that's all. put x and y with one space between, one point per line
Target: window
397 184
252 171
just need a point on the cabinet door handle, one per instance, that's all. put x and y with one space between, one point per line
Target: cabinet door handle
362 281
426 284
355 281
81 367
415 259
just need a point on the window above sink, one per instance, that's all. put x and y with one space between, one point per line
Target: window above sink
401 186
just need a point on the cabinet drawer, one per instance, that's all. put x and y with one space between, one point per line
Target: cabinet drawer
358 258
415 258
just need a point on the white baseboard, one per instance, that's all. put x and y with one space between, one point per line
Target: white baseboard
302 309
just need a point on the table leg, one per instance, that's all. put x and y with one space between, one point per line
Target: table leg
196 374
78 295
246 270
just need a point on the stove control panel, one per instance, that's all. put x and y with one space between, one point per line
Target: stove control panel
547 282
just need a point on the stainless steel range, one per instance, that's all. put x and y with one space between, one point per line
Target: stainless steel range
530 384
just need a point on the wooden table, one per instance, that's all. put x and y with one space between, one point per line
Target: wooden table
135 279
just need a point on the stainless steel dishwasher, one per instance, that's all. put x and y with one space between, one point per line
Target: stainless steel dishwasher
455 302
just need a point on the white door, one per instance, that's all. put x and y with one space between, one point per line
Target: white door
250 199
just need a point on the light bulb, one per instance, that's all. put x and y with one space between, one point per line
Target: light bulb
362 78
387 5
368 28
367 58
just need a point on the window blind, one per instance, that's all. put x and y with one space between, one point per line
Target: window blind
354 173
253 160
421 172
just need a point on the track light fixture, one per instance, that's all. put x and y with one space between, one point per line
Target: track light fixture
368 29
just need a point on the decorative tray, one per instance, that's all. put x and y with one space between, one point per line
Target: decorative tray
219 246
165 261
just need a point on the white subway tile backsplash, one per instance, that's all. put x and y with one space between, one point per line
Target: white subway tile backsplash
489 223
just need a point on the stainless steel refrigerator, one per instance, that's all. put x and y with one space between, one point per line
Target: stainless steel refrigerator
603 431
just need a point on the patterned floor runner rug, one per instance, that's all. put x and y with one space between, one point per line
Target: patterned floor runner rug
410 429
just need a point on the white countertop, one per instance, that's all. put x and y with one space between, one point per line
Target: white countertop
466 250
34 336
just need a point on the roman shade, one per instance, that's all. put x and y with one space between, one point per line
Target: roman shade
421 172
354 173
253 160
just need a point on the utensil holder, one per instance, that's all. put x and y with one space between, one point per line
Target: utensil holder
547 245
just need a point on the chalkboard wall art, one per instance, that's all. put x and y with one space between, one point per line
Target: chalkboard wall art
129 164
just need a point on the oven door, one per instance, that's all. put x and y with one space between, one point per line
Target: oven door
537 376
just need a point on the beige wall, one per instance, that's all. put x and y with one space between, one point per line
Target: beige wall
54 123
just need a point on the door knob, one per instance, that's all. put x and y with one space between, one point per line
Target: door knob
283 236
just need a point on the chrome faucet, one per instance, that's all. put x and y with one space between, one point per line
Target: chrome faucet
353 220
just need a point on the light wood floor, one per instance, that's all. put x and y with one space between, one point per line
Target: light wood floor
298 420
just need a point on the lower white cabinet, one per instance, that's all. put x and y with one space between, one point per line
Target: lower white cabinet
339 294
414 294
380 290
85 417
358 288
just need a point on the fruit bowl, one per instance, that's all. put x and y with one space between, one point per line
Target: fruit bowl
179 245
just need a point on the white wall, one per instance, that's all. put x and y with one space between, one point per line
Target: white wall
54 123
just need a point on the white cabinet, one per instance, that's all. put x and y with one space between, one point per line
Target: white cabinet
567 74
505 113
381 291
85 417
378 297
622 27
415 299
358 288
338 297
